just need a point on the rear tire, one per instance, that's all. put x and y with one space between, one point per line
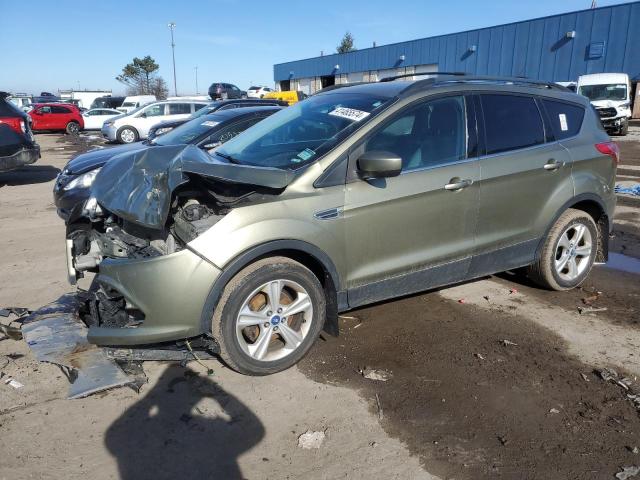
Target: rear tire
247 300
73 128
568 252
127 135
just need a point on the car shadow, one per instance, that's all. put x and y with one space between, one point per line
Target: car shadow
187 426
29 174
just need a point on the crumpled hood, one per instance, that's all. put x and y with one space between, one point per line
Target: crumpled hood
96 158
138 186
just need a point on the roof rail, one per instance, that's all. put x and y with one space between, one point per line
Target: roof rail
404 75
507 81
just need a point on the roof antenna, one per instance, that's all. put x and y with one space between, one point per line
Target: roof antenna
594 4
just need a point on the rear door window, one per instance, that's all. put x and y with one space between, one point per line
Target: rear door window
566 119
511 122
57 109
179 108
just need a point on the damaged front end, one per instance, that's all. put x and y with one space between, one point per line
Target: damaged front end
145 209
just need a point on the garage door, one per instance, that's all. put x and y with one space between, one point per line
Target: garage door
355 77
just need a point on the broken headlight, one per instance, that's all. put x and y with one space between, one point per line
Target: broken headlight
91 208
82 181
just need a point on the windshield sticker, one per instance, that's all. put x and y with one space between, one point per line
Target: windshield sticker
563 122
209 123
306 154
349 113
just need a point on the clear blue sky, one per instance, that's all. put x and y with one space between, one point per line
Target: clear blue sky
50 45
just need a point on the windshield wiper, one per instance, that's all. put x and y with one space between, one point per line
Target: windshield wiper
228 157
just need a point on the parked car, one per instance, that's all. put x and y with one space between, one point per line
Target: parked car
73 185
223 91
17 146
289 96
258 92
359 194
107 102
610 94
135 101
135 125
164 127
22 101
94 118
56 116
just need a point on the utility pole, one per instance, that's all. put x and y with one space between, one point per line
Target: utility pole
172 27
197 92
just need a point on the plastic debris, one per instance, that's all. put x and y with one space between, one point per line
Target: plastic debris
513 290
554 411
12 382
506 343
479 355
634 450
379 405
584 377
461 300
634 190
376 374
310 440
628 472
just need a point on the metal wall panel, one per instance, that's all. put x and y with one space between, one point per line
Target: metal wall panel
537 48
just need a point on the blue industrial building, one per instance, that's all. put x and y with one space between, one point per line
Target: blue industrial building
555 48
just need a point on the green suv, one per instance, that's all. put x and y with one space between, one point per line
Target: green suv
356 195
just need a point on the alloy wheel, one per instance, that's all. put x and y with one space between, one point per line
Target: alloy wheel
274 320
573 252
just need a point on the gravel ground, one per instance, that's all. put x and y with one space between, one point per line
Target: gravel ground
489 379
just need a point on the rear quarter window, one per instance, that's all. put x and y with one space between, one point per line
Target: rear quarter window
511 122
566 119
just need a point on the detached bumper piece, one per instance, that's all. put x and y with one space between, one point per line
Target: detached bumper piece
56 334
24 156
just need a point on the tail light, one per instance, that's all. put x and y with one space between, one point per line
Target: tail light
15 124
611 149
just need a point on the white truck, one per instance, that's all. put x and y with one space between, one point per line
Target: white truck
610 94
135 101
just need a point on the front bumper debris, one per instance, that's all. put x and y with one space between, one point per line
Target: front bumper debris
56 334
25 156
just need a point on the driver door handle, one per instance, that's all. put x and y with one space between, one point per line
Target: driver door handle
457 184
552 164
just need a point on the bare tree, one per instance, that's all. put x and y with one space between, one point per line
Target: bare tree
346 44
141 78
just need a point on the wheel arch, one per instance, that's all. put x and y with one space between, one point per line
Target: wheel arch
302 252
595 207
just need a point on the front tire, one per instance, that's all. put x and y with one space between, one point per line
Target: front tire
624 128
568 252
127 135
73 128
268 317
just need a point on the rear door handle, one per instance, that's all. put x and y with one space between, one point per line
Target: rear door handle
552 164
457 184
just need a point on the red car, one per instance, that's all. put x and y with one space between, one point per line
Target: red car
56 116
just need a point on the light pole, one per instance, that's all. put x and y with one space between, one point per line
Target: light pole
172 27
197 92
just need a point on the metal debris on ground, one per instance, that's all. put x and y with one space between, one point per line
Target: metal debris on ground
479 355
375 374
634 450
554 411
633 394
628 472
506 343
584 377
12 329
56 334
584 310
310 440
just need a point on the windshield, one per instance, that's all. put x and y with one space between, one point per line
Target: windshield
207 110
302 133
604 92
188 132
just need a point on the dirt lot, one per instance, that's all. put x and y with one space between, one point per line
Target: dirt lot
489 379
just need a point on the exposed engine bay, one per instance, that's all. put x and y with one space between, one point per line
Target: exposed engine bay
149 205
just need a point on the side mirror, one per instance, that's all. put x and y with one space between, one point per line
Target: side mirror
379 164
212 145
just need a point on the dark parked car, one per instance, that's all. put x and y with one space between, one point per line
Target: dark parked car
222 91
164 127
107 102
17 146
73 185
